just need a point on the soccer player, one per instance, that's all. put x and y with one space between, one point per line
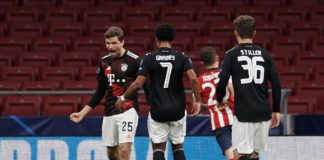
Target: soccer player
250 67
221 118
165 68
116 72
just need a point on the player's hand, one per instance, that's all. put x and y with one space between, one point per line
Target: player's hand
119 103
76 117
195 110
221 106
275 120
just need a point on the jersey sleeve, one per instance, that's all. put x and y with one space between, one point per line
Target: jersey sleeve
223 78
275 83
144 66
187 63
101 88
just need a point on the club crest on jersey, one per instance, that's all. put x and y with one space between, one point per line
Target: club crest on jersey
124 67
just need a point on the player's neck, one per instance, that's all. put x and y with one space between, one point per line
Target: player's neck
164 44
122 52
244 40
214 65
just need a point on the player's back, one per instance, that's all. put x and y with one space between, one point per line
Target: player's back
251 69
166 67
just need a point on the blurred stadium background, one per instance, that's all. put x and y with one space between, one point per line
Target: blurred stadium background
49 51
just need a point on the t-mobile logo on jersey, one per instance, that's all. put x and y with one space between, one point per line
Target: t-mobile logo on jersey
112 79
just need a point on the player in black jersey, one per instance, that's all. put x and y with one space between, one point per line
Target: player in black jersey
116 72
250 67
165 68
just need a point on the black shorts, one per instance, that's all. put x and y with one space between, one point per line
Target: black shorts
224 137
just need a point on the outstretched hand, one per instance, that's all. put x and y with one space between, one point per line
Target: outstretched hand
195 110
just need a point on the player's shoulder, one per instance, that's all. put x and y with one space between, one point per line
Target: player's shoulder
132 55
232 50
106 57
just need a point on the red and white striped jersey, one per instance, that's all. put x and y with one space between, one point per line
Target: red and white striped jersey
208 82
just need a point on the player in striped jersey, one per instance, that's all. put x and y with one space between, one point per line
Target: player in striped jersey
221 118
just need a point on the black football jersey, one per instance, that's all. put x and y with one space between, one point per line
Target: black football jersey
251 68
165 68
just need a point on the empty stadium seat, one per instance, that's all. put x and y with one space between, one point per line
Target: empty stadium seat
51 44
181 43
304 3
319 74
60 105
195 3
59 73
211 41
290 43
69 30
36 59
143 106
54 15
314 89
176 14
270 3
30 30
6 60
9 3
88 73
290 13
301 104
14 44
9 86
101 14
76 58
99 28
318 44
97 110
296 73
188 28
21 105
222 30
281 60
77 3
317 13
80 85
22 15
259 13
269 29
215 13
19 73
156 3
3 27
138 44
40 85
114 3
310 59
135 14
93 44
306 29
39 3
140 28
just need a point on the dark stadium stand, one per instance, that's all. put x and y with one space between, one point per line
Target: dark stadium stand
42 41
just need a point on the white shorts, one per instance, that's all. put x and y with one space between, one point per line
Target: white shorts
120 128
159 132
248 137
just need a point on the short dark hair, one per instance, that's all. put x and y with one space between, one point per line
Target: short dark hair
207 55
244 26
165 32
114 31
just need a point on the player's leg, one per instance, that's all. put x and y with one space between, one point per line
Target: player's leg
224 140
177 134
260 140
158 133
127 125
242 138
110 136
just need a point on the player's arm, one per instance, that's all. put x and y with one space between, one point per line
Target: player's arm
95 100
195 89
276 93
223 79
